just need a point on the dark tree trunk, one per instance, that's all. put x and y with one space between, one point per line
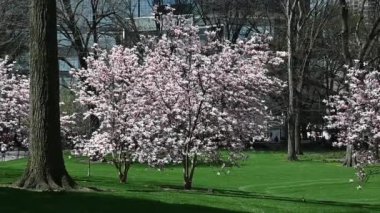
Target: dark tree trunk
89 167
122 166
297 128
45 169
188 185
291 138
94 28
123 178
345 31
188 171
348 161
18 153
376 150
304 131
297 136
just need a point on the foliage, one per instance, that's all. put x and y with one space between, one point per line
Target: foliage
105 88
355 113
195 99
14 105
181 102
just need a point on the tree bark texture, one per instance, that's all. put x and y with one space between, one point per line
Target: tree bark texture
297 130
349 160
45 169
345 32
122 166
189 165
376 150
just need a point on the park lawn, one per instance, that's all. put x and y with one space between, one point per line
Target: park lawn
266 182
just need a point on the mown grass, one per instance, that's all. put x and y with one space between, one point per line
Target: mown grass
266 182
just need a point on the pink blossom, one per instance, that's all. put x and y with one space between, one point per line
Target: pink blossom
355 113
14 105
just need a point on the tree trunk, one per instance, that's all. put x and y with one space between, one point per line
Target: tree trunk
297 135
122 166
89 167
304 131
345 31
18 153
297 130
123 175
291 139
376 149
188 185
291 115
188 171
349 160
123 178
45 169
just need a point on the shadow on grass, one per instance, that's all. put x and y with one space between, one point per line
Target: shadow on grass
252 195
15 200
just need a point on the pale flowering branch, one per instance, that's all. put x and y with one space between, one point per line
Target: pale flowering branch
14 105
356 114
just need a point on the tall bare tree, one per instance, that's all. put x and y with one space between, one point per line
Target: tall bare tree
290 6
306 20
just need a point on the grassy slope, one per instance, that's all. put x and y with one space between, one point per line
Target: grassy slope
266 182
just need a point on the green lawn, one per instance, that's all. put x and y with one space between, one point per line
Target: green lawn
266 182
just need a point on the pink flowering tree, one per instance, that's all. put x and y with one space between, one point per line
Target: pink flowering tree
106 86
180 102
14 105
355 113
197 101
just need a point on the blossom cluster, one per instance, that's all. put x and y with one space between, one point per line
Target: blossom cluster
174 99
104 87
199 97
14 105
355 113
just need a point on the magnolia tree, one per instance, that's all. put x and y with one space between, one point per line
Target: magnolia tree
195 100
14 105
355 113
106 87
180 101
